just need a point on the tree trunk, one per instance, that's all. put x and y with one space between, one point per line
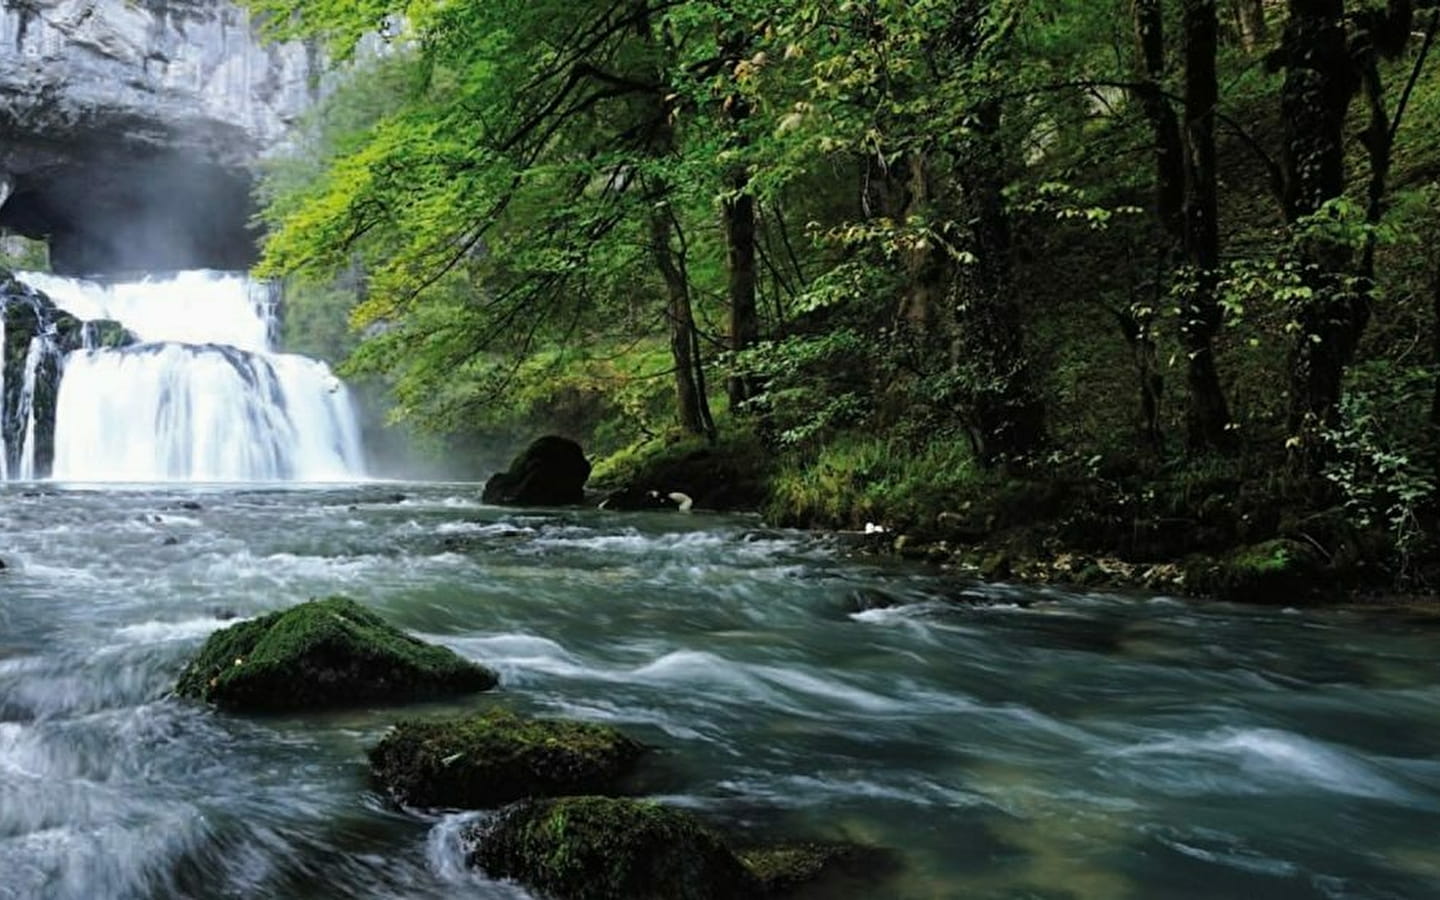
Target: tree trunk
1319 83
1253 31
928 267
1169 150
690 400
738 211
1207 416
1137 322
1000 406
1145 354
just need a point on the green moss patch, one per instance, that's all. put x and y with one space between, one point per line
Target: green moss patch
596 848
323 653
1278 571
487 760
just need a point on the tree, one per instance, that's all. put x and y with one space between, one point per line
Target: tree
1137 321
1208 416
1328 57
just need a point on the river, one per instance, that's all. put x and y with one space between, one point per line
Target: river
1006 742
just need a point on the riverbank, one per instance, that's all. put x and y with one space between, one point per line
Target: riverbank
1229 529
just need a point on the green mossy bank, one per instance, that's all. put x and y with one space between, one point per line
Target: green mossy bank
323 653
486 760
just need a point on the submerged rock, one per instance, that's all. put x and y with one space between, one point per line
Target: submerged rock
552 471
495 758
597 848
323 653
783 868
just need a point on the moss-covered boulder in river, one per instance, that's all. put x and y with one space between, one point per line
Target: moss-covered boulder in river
491 759
323 653
596 848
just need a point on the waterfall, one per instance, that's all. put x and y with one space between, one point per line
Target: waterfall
42 350
177 379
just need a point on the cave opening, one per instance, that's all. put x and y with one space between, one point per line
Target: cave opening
159 213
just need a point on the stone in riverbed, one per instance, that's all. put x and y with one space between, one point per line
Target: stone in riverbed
599 848
487 760
323 653
552 471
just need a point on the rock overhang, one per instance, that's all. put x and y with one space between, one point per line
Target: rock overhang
130 129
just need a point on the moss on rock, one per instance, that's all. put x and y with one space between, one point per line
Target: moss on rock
323 653
597 848
487 760
1276 571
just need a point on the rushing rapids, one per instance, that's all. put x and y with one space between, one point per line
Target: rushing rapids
1006 742
173 379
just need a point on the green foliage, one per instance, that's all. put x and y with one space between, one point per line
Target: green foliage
17 252
1386 456
856 478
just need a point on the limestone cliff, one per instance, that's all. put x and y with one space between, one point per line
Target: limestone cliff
129 128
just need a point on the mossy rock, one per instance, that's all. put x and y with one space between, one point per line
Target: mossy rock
323 653
488 760
1279 571
598 848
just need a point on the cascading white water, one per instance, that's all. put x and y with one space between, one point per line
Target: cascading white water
196 307
40 347
203 397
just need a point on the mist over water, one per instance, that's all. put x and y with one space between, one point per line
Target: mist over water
203 396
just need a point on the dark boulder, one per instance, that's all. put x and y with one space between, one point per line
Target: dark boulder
324 653
552 471
488 760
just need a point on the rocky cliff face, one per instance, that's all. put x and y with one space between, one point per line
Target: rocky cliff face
129 128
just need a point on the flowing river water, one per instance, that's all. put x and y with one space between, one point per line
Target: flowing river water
1005 742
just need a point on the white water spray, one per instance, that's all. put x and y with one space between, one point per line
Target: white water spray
203 397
